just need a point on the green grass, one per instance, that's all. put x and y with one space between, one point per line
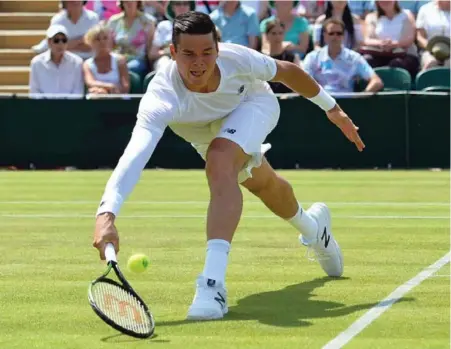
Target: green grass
277 298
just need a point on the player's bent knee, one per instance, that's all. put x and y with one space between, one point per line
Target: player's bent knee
224 160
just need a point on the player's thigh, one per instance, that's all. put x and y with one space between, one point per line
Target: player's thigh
224 157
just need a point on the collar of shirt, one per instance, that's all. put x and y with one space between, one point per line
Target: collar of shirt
323 54
48 57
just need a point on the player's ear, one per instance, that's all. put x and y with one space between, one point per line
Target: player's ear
172 50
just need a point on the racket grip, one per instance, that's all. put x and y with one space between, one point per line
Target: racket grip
110 253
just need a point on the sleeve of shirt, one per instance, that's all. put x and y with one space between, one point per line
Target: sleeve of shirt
153 116
263 26
421 19
261 66
158 38
303 24
34 84
253 28
79 86
358 35
364 70
317 28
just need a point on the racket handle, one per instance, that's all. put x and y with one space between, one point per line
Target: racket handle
110 253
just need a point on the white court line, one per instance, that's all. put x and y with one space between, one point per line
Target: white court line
358 326
59 215
337 204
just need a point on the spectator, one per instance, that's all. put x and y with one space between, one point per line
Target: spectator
56 71
133 32
275 32
77 21
339 9
207 6
433 20
163 34
156 9
361 8
104 8
311 9
296 28
260 7
389 38
337 68
106 72
238 23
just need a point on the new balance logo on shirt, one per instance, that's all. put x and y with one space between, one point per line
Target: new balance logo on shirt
230 130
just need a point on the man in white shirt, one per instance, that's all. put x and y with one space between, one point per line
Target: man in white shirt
77 21
216 97
56 72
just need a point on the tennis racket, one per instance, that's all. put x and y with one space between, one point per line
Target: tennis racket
118 304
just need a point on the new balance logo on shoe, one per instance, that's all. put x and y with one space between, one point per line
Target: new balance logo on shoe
325 237
220 299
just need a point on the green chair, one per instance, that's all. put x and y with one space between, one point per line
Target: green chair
147 79
433 79
394 79
135 83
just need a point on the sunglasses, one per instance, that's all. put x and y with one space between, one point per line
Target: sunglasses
58 40
335 33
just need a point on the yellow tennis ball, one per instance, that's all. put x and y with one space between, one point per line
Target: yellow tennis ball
138 263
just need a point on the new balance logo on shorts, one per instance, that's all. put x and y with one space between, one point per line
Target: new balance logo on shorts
230 130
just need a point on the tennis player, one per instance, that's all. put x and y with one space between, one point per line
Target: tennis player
216 96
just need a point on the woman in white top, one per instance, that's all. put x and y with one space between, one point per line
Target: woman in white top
389 37
106 72
339 9
433 20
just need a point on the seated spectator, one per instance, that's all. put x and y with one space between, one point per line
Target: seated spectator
339 9
163 34
207 6
433 20
311 9
56 71
337 68
238 23
389 38
275 32
296 28
106 72
77 21
104 8
133 32
156 9
361 8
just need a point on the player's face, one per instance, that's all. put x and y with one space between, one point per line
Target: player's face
195 56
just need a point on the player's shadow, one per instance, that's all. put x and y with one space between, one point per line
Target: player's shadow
121 338
291 306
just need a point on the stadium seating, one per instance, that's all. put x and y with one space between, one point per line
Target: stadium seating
434 79
135 83
394 79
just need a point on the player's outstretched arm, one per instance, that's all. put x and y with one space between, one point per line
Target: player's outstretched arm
299 81
121 183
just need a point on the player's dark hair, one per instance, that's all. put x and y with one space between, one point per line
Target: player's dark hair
193 23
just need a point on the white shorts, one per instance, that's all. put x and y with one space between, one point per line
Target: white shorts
248 126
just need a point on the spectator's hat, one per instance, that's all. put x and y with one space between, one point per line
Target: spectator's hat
170 12
272 3
439 47
56 29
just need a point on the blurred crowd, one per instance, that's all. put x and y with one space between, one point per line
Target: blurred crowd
101 47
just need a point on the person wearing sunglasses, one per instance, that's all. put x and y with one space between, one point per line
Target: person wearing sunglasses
337 68
56 73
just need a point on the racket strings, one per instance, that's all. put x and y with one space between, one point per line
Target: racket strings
121 307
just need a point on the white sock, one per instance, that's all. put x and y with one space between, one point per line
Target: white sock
216 260
305 224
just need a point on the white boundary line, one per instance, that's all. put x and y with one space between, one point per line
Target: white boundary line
60 215
410 204
358 326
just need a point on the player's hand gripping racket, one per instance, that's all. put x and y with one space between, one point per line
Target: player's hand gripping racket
118 304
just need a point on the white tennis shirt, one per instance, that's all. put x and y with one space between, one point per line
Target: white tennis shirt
167 101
